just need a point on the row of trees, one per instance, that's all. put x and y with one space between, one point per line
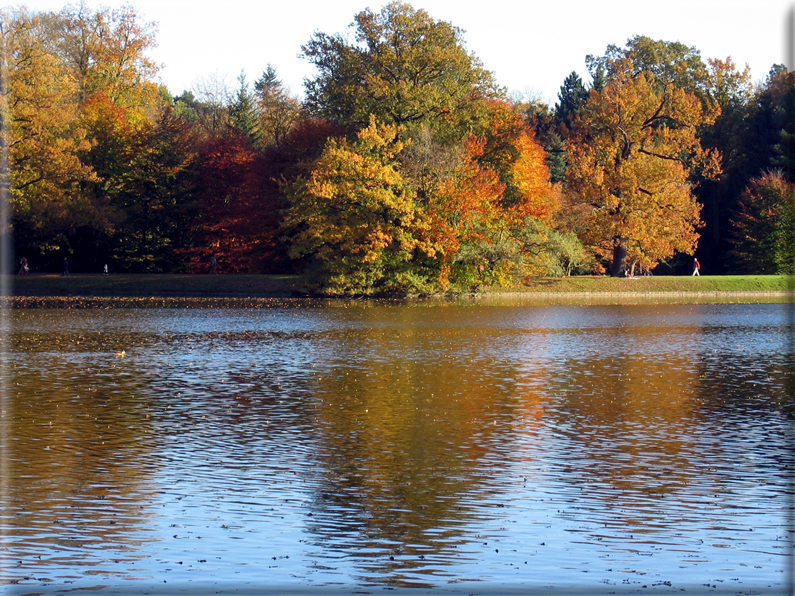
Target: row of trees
404 169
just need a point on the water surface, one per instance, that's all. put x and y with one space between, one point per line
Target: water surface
363 446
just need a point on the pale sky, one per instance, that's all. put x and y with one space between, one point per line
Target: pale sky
529 45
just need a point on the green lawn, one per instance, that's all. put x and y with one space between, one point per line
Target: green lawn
285 285
715 283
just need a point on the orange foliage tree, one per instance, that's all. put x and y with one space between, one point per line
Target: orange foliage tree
481 211
43 135
632 151
463 213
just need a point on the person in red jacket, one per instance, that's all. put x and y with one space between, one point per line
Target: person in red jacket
696 267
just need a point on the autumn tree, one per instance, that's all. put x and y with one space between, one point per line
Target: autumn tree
474 169
123 111
512 150
354 217
485 203
633 149
45 137
662 62
99 159
277 109
464 224
106 50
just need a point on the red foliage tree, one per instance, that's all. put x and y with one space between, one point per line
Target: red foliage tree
241 199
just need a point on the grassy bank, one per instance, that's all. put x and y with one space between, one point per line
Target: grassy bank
668 284
286 285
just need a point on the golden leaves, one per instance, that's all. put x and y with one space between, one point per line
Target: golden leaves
632 151
353 213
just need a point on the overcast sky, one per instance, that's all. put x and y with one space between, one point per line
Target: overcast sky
529 45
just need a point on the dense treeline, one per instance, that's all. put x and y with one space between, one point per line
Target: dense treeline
405 168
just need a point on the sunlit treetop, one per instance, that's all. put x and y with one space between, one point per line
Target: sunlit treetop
402 66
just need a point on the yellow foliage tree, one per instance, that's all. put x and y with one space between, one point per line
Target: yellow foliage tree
42 131
355 218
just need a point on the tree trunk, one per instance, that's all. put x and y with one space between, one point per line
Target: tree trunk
619 268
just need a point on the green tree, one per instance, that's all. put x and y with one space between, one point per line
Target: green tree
571 98
242 112
157 197
542 121
552 252
785 148
763 226
733 91
403 67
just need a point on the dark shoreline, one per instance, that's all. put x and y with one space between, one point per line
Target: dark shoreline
230 301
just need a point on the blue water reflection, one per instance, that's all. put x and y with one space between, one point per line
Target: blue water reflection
382 445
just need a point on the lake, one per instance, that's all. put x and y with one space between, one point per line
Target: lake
463 447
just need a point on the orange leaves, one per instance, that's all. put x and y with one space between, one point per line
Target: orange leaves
631 152
467 203
512 151
501 181
530 177
107 51
45 135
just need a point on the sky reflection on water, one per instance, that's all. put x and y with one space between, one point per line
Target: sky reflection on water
601 448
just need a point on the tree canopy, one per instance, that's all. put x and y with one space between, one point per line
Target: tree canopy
404 169
633 149
402 66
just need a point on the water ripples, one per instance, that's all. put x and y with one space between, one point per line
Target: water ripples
400 446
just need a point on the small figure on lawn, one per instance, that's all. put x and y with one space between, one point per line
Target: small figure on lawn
696 267
65 268
105 269
213 265
23 266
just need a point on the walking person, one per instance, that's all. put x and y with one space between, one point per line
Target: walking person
65 268
696 267
213 265
23 266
